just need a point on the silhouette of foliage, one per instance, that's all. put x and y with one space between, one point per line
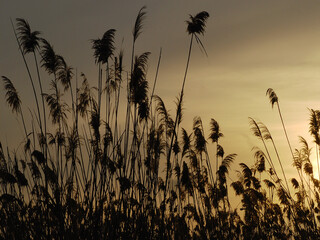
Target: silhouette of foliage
83 176
29 40
12 96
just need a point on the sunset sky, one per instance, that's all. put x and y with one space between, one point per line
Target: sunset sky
252 45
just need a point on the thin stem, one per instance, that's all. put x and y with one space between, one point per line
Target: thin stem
29 74
178 113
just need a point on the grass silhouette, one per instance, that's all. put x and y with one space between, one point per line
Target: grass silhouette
80 177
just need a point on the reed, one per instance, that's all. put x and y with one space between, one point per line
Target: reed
82 177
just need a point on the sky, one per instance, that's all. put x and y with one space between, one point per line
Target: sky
251 45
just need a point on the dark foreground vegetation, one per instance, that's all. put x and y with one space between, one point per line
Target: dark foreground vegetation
83 173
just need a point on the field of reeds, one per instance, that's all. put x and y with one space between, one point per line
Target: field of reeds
87 171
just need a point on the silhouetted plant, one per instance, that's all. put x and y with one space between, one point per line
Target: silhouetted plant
144 181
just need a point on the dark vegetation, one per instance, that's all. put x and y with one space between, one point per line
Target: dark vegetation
79 176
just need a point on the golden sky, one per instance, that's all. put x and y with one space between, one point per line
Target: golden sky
252 45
